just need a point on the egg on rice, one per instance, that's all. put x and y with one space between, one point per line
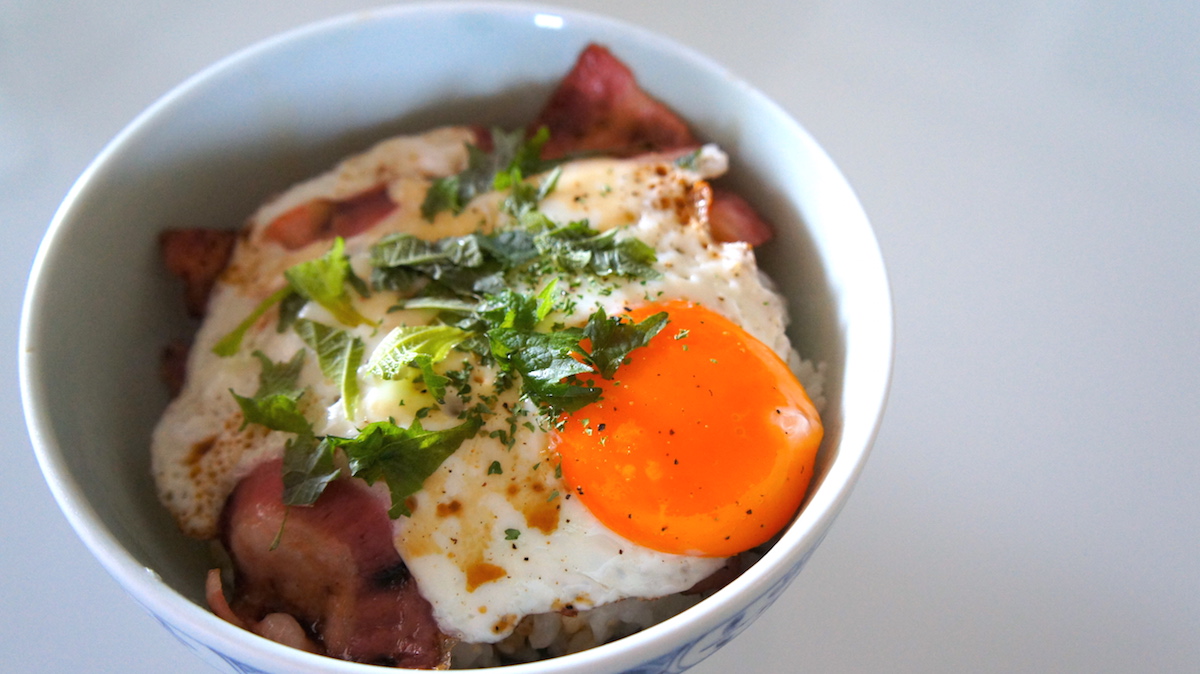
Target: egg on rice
573 402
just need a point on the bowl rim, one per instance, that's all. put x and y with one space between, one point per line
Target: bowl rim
173 609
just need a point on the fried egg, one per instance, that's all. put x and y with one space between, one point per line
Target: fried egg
701 447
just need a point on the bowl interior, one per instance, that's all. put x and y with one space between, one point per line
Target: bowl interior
100 308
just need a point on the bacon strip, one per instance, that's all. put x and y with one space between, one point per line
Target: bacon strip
197 256
321 219
732 218
599 106
334 568
278 627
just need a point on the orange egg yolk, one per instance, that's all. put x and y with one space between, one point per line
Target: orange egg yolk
703 444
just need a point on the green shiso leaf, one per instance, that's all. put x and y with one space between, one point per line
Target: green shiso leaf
308 466
612 339
276 403
339 354
402 457
511 152
417 347
230 343
325 280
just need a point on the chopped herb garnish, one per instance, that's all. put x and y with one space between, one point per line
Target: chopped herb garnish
511 152
495 469
325 280
406 250
613 339
308 466
689 161
230 343
339 354
459 271
524 196
576 247
289 309
511 534
546 361
442 304
547 365
416 347
402 457
276 403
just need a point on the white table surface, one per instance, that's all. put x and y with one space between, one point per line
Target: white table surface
1032 170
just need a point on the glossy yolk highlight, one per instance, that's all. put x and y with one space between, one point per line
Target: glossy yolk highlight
703 444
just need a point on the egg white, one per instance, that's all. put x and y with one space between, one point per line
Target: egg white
486 548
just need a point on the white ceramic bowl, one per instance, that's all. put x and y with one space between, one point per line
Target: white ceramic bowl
99 308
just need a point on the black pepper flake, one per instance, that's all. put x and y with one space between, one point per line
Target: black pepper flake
601 427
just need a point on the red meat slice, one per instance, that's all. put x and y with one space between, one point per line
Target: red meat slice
599 106
333 568
321 219
732 218
197 257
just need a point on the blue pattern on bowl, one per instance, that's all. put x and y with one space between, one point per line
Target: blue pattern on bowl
233 666
691 654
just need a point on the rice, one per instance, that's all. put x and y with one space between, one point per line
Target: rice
553 634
